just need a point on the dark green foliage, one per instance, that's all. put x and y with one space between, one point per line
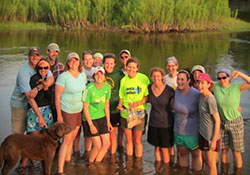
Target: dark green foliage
142 15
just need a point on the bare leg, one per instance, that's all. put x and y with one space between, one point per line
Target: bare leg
129 142
157 154
183 153
105 139
237 159
87 144
113 141
225 156
64 149
76 144
97 144
196 159
210 162
138 144
165 154
120 137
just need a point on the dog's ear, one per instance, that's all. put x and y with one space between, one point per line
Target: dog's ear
59 132
62 129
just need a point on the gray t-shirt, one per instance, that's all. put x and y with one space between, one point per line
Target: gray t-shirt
89 74
187 112
207 107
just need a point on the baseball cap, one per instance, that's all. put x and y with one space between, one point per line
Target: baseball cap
35 50
98 55
198 67
172 59
204 77
72 55
226 71
125 51
53 47
99 68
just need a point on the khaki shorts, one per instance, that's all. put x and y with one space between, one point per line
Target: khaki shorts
139 127
232 135
18 120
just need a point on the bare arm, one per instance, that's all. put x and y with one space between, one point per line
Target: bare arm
58 94
107 113
32 93
119 107
92 127
45 85
136 104
243 85
216 117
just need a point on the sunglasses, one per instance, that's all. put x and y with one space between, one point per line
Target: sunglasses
41 68
122 57
221 78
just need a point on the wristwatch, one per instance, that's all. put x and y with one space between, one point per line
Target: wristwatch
38 89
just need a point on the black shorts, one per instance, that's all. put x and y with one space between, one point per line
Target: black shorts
161 137
115 119
204 144
100 124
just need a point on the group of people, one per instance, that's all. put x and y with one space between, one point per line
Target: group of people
188 109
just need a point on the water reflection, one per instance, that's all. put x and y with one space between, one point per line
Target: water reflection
213 50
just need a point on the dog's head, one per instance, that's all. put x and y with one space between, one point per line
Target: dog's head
58 130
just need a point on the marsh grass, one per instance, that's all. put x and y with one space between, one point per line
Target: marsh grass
131 15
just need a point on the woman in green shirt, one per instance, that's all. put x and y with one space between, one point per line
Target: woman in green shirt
96 116
227 95
133 96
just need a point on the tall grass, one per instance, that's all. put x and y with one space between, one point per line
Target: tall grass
142 15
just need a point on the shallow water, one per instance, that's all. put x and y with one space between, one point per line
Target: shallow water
213 50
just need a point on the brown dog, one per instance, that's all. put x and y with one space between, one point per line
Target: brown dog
34 147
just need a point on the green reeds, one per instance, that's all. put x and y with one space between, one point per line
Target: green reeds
141 15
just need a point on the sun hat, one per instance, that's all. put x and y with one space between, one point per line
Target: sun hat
99 69
204 77
35 50
199 68
72 55
53 47
223 70
172 59
125 51
98 55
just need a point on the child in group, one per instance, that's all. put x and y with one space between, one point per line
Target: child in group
96 116
209 130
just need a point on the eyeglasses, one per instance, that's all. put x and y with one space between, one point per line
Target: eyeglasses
41 68
219 78
122 57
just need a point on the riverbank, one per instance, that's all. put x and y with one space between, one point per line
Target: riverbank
210 49
225 25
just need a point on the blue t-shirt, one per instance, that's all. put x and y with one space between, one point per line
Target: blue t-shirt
18 98
71 99
187 112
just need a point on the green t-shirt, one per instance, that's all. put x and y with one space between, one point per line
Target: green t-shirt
133 90
113 79
96 99
228 100
73 88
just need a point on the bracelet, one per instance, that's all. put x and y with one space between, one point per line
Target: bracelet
38 89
